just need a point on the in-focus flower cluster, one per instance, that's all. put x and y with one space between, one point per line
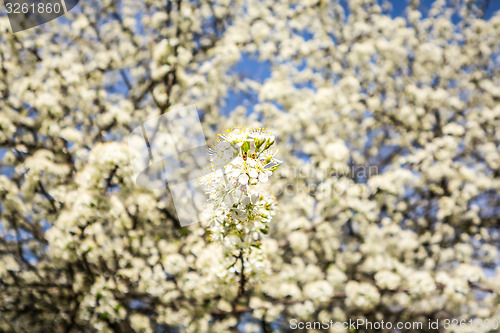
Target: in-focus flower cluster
239 208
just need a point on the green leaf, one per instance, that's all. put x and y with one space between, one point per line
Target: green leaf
269 143
258 143
246 146
104 316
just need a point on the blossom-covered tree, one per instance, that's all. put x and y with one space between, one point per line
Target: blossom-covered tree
387 203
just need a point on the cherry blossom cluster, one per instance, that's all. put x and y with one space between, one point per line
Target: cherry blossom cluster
239 208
